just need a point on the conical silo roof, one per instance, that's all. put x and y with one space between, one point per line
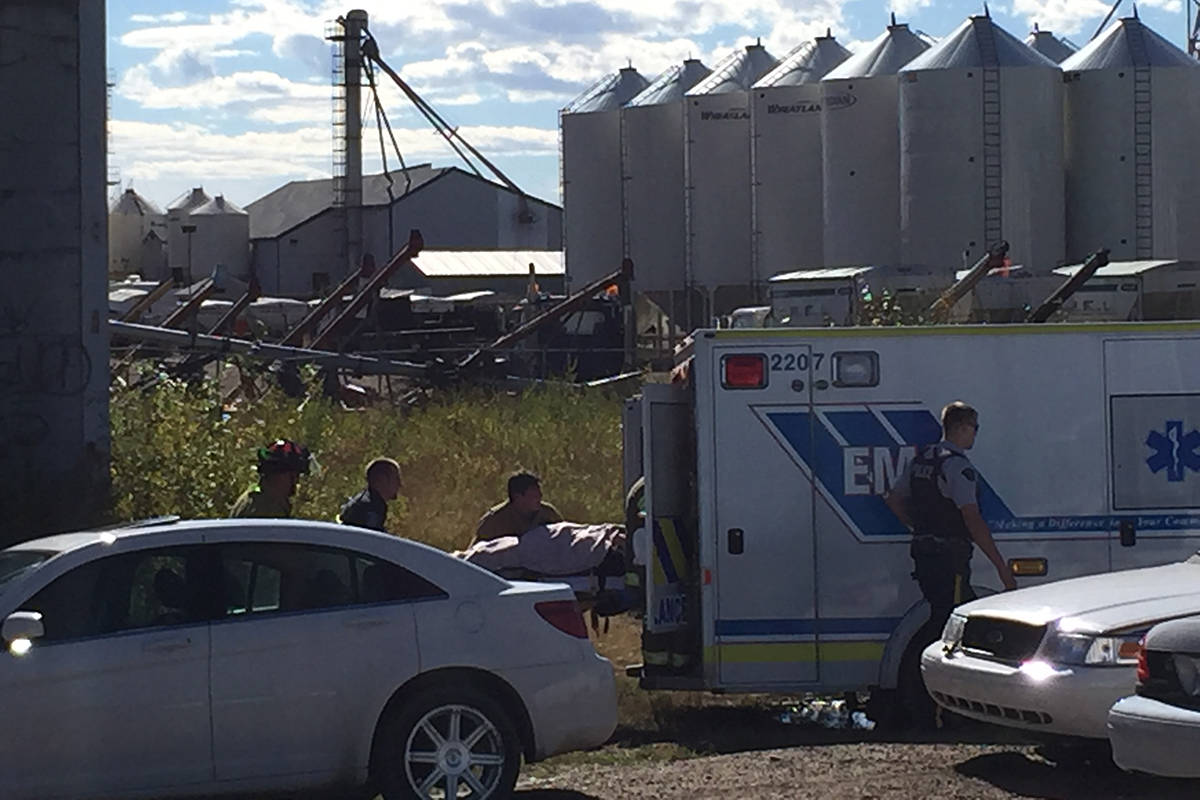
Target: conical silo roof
132 204
189 200
886 55
978 42
218 206
1049 45
609 93
737 72
1128 43
673 84
808 63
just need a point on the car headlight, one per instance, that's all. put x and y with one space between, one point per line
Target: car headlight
952 633
1086 650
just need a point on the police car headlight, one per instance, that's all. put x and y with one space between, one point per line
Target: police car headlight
1085 650
952 633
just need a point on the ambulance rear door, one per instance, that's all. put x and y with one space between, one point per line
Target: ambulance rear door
760 504
668 456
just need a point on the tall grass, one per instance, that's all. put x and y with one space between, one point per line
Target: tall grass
175 452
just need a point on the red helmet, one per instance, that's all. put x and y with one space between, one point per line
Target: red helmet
283 455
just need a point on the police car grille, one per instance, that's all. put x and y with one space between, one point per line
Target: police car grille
1001 639
1025 715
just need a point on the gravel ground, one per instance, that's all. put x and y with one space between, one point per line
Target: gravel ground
863 770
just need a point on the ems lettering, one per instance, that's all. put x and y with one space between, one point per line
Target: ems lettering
670 610
873 470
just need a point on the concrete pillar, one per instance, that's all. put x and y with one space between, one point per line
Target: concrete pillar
356 25
54 440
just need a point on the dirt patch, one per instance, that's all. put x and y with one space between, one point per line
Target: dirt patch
861 770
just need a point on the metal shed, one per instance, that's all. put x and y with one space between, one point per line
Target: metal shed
591 175
981 153
1148 290
860 144
507 272
717 180
785 158
837 295
1132 113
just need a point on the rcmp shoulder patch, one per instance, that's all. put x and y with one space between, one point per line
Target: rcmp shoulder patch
969 474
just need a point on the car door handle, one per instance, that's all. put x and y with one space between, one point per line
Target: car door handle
364 623
167 645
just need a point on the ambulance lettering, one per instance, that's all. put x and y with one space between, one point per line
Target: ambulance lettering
874 470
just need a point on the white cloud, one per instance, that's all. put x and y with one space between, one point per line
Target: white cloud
1063 17
188 152
173 18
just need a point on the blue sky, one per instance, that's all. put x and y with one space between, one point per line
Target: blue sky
234 95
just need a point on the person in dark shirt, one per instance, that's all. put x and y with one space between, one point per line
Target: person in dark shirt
368 508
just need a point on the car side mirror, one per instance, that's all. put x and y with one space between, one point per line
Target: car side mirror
22 625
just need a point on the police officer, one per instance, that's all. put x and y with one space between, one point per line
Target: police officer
937 498
368 508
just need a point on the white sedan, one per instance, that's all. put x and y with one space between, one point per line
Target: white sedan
249 656
1158 730
1054 658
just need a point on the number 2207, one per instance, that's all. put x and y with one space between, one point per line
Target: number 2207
795 362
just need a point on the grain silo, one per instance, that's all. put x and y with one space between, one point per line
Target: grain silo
652 166
131 218
1132 113
1052 47
785 159
222 236
717 180
591 176
177 238
981 154
861 150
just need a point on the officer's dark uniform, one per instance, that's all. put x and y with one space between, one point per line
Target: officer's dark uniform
936 485
367 509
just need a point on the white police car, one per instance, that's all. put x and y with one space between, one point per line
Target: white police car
1054 658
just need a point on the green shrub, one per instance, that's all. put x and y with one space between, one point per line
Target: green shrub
175 452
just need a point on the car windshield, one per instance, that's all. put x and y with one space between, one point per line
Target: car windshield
15 563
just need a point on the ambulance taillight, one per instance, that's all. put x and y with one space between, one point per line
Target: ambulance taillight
744 371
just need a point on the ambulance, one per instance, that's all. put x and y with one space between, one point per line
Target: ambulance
773 564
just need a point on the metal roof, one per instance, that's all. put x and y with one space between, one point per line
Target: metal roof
737 72
130 203
490 263
961 49
820 274
1128 43
890 51
609 93
218 207
193 198
1056 49
1118 269
808 63
672 84
283 209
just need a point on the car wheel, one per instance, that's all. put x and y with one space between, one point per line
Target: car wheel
448 743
